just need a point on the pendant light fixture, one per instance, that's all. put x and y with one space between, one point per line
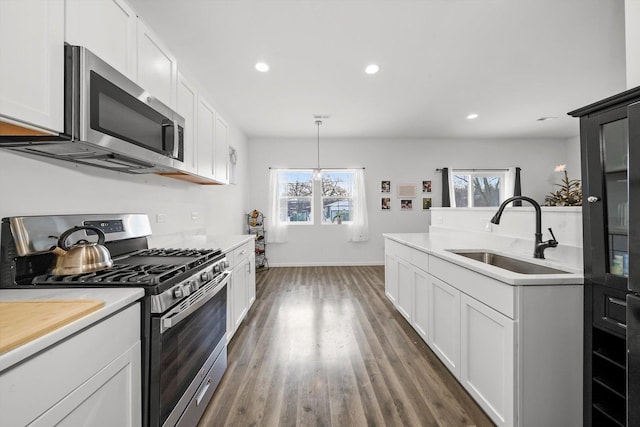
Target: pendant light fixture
317 173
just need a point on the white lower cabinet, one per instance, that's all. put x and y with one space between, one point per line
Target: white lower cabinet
405 290
391 277
421 311
487 358
241 291
444 334
92 379
517 350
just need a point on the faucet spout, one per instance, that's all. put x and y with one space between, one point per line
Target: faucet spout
540 246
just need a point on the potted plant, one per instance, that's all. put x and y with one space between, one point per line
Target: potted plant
569 192
338 217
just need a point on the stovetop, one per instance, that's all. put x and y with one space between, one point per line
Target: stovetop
148 268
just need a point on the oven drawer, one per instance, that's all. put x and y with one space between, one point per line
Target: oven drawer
610 309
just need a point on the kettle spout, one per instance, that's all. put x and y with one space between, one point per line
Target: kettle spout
58 251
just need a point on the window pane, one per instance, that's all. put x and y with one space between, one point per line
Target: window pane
296 196
337 190
461 190
295 183
486 191
294 209
337 184
332 206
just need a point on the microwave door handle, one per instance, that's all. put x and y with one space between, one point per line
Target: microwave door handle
176 139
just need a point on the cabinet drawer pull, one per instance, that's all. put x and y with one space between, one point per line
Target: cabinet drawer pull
244 251
593 199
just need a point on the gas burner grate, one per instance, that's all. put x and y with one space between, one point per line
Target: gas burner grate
118 274
208 253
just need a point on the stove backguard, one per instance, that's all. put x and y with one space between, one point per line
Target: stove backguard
26 241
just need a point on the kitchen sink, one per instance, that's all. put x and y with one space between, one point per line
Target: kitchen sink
508 263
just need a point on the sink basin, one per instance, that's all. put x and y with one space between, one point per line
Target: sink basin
507 263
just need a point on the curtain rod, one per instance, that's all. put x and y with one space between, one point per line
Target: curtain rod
475 170
270 167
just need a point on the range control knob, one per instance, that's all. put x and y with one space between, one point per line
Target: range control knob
193 285
177 292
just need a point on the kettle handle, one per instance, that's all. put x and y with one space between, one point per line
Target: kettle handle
62 241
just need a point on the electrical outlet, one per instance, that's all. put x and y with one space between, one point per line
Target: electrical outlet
195 215
161 217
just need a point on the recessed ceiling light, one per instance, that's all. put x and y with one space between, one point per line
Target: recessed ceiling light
472 116
544 119
372 69
262 67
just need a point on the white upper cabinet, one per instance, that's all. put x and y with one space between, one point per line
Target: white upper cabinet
187 107
206 134
221 155
105 27
32 71
157 69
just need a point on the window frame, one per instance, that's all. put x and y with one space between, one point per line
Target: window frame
474 173
281 198
322 197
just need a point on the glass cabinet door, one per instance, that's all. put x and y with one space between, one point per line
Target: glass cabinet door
615 153
606 191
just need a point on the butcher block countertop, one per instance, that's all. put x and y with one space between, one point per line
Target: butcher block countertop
23 321
32 320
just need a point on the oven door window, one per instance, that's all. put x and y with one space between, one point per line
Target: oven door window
185 347
115 112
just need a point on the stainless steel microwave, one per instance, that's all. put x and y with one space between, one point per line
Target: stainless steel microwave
110 122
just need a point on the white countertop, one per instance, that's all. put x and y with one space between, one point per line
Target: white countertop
114 299
226 242
439 245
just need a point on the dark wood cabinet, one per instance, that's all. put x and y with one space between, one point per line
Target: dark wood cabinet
605 140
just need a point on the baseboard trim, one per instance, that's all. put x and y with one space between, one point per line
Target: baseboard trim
325 264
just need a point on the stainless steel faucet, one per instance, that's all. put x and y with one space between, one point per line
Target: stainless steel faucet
540 246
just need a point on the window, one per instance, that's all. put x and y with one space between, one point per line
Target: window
478 188
337 195
295 196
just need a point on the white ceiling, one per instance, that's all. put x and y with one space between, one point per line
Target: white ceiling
510 61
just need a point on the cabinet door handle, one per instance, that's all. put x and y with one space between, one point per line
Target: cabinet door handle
593 199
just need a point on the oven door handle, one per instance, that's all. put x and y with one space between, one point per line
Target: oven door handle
175 316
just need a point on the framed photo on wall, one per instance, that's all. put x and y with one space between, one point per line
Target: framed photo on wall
385 203
426 186
406 205
385 187
426 203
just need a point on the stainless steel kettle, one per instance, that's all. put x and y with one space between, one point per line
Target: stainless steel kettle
81 257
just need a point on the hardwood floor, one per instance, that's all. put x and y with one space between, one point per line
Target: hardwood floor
322 346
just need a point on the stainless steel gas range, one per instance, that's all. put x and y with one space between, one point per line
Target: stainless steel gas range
184 310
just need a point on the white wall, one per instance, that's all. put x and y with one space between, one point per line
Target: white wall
400 161
31 186
632 36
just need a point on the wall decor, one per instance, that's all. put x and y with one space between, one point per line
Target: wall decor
406 190
406 205
385 203
426 186
385 187
426 203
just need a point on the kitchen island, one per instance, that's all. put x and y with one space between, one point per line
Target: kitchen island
513 340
